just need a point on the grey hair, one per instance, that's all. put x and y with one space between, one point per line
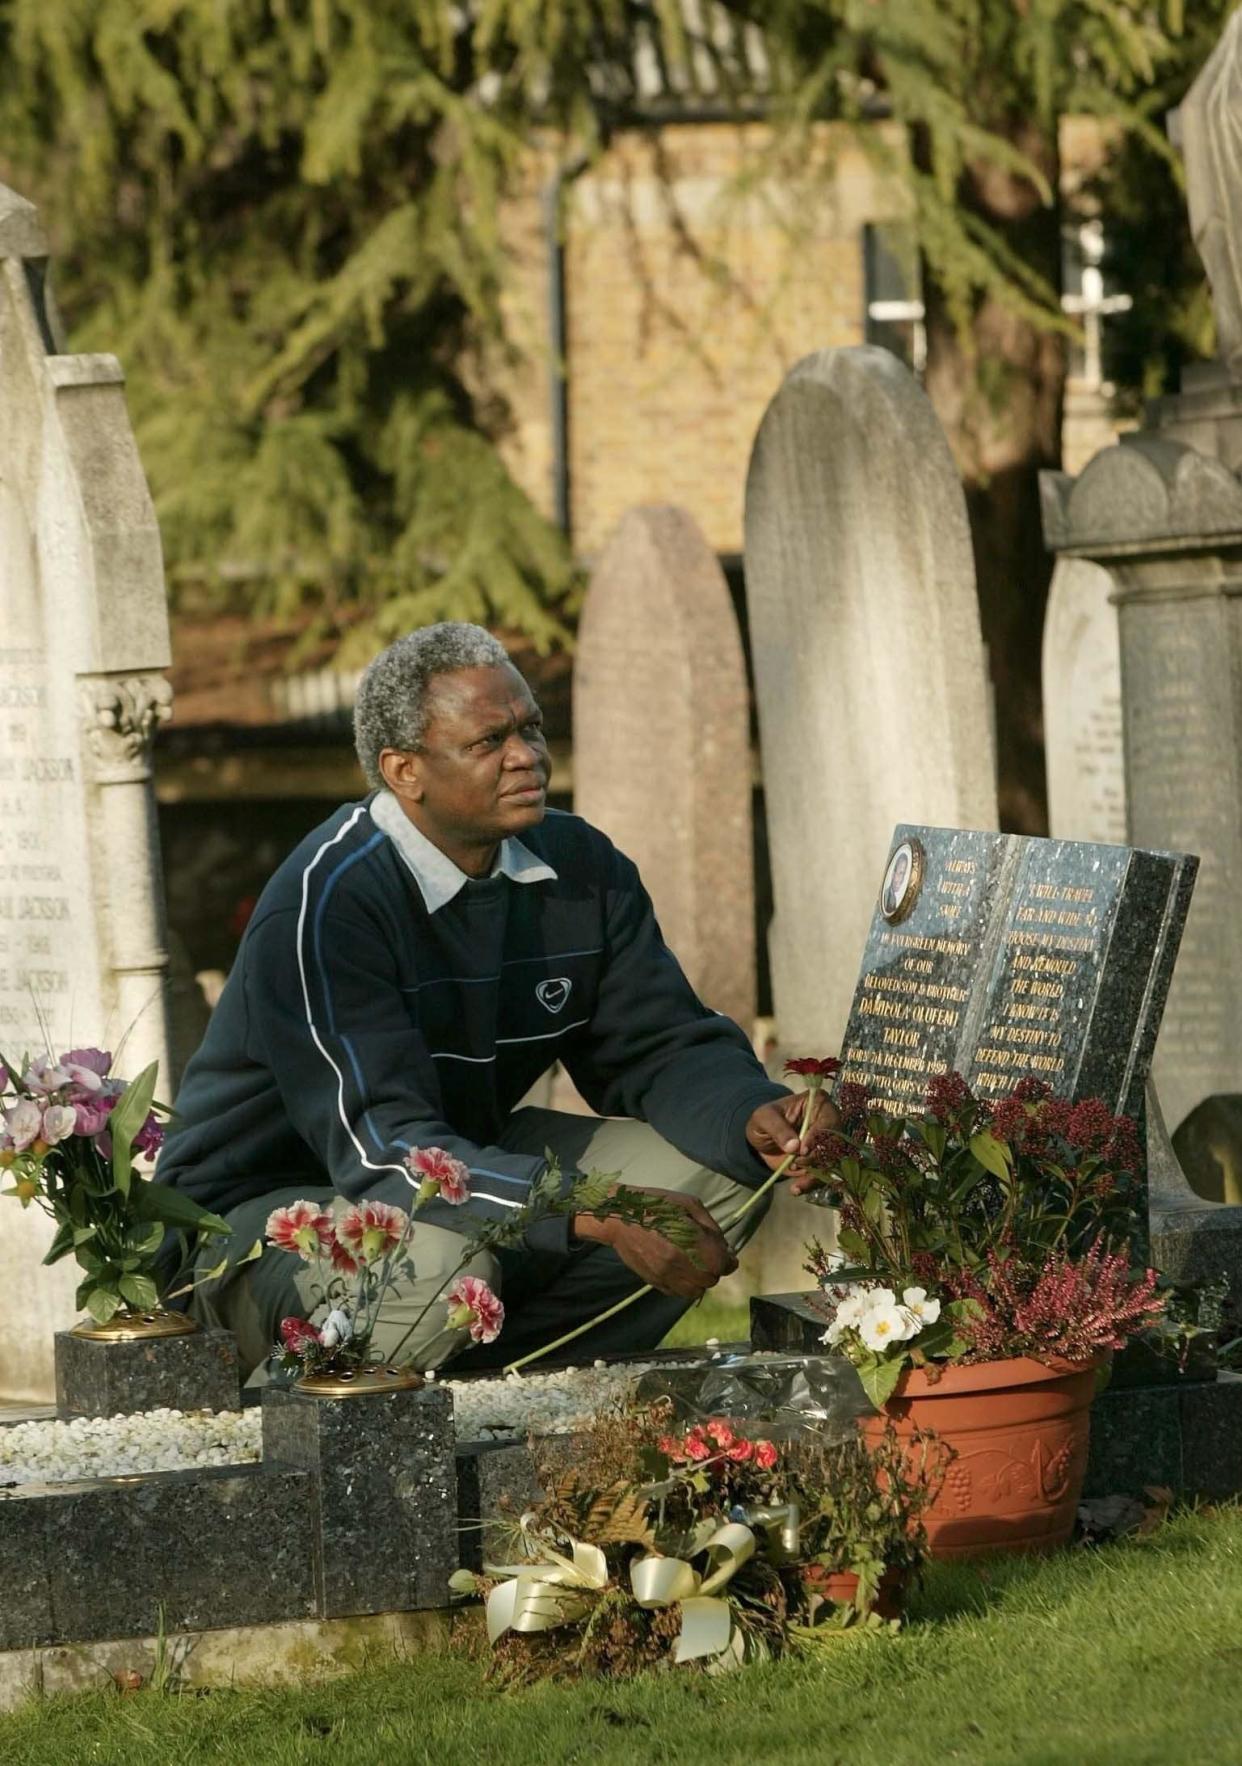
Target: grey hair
390 710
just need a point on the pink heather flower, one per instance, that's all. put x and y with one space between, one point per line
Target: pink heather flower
439 1174
473 1306
303 1228
766 1455
371 1231
23 1124
298 1335
59 1122
44 1076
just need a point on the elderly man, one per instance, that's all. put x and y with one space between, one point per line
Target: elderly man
409 972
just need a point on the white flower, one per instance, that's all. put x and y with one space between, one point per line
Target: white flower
23 1124
882 1325
850 1310
337 1329
926 1311
59 1121
43 1075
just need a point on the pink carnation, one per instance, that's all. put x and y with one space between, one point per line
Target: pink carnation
371 1231
473 1306
342 1262
766 1455
438 1174
298 1335
303 1228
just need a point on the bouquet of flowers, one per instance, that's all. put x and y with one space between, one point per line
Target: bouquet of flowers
72 1137
975 1231
358 1252
706 1546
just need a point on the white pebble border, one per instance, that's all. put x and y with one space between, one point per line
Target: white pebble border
53 1452
109 1447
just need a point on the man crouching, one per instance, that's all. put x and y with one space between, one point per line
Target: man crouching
410 971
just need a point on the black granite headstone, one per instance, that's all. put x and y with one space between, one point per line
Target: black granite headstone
1003 957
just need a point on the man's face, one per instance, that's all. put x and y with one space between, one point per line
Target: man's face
900 872
482 770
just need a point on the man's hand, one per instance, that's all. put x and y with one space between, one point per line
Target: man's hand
773 1133
651 1257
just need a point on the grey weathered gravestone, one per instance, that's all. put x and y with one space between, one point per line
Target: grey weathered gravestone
1209 124
868 660
1003 958
662 747
1167 522
83 637
1082 706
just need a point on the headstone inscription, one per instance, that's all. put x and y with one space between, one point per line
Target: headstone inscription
1082 706
83 638
1004 957
662 744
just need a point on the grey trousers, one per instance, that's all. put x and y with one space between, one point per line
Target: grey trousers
545 1294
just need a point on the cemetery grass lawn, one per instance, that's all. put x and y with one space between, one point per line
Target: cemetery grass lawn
1130 1653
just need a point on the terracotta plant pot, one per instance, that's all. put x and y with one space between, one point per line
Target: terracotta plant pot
890 1597
1018 1431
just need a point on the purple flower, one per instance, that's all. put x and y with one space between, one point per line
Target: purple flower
43 1076
150 1137
92 1109
97 1062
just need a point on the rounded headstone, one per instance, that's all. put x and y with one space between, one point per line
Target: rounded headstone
868 659
662 748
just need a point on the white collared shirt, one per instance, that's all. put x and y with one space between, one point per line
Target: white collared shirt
438 878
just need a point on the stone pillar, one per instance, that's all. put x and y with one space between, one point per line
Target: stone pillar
119 719
1082 706
83 643
661 744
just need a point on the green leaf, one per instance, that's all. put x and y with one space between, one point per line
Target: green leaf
102 1303
159 1201
879 1378
993 1155
139 1290
130 1112
62 1244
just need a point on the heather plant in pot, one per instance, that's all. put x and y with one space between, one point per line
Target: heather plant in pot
981 1280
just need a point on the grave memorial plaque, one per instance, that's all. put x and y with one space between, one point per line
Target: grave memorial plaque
1005 957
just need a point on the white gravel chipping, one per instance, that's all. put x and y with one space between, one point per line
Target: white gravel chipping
108 1447
51 1452
551 1404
